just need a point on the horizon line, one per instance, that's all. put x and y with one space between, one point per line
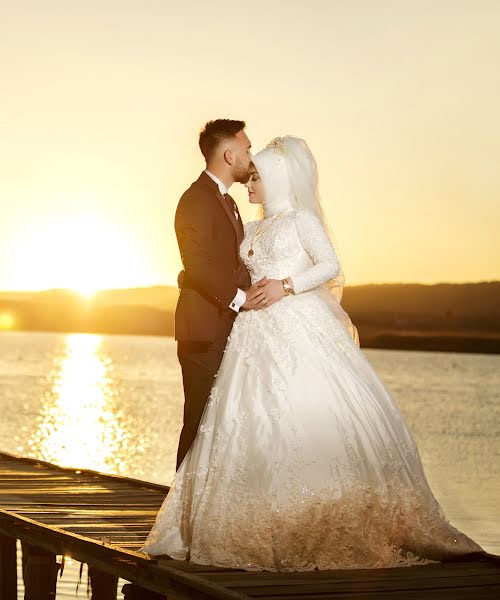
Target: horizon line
167 285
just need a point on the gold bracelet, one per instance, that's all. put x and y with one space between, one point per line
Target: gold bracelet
287 287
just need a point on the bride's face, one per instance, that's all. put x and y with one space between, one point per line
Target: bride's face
255 186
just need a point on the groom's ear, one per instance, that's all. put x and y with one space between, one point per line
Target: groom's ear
228 157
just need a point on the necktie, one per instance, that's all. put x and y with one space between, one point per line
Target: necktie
232 205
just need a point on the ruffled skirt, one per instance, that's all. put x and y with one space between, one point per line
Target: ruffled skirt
302 459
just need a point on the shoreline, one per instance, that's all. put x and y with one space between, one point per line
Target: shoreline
423 341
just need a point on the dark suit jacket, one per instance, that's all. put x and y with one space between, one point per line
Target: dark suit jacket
209 237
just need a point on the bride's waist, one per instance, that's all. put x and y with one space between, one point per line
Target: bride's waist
310 304
288 267
315 295
281 274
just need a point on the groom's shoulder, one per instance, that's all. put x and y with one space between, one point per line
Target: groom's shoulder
194 201
199 189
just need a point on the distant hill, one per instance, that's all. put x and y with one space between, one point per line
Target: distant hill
446 316
441 306
161 297
145 311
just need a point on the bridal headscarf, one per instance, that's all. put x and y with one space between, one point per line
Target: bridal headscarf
289 175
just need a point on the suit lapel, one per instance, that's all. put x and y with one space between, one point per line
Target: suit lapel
236 223
229 212
239 223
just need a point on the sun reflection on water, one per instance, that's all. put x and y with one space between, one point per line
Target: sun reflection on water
79 422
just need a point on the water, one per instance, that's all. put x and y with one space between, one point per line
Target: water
114 404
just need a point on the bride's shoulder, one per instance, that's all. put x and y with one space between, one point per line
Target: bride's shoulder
304 215
308 223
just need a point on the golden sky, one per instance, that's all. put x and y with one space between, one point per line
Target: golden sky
102 101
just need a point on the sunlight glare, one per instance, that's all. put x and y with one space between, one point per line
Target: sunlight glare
7 320
79 424
82 253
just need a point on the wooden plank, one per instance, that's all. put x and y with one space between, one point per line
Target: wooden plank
39 573
469 594
8 568
147 572
355 587
103 586
432 571
103 520
42 464
145 519
73 503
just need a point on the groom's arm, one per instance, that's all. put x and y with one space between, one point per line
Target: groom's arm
238 301
193 226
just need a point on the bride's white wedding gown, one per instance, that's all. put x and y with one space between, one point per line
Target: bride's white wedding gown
302 459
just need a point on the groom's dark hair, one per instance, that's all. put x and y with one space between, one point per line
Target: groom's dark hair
215 132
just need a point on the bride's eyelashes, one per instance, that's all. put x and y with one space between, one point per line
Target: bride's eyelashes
252 179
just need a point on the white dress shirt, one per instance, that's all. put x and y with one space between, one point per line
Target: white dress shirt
240 298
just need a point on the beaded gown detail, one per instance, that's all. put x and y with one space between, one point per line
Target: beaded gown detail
302 459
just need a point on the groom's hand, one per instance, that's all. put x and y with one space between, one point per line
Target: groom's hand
255 295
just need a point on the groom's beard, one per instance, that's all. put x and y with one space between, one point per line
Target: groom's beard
241 174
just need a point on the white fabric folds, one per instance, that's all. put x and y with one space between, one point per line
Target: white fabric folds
302 459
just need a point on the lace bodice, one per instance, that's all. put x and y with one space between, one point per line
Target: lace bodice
295 245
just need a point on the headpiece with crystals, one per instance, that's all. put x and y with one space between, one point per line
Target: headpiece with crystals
278 144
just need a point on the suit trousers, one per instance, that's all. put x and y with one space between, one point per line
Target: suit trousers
200 362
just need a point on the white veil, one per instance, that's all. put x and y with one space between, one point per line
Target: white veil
290 177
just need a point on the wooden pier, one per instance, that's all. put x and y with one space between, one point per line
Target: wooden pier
103 520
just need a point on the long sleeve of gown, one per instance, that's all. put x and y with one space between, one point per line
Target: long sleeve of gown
318 246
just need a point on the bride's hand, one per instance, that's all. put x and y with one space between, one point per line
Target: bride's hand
273 291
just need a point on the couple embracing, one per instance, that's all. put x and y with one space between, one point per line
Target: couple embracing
293 456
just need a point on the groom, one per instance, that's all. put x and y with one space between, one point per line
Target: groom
215 283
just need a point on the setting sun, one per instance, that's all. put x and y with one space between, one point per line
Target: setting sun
7 320
82 253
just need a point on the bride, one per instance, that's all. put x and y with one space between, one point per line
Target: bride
302 460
